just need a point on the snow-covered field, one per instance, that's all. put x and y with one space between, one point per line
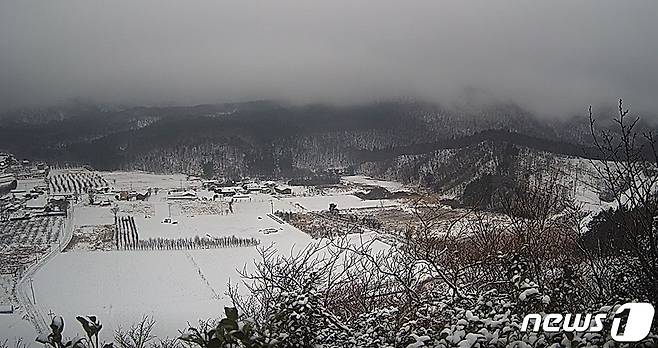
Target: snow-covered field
173 286
12 326
180 286
142 181
368 181
29 184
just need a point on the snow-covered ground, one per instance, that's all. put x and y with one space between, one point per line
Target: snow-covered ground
368 181
172 286
121 286
29 184
581 174
12 326
142 180
178 286
342 201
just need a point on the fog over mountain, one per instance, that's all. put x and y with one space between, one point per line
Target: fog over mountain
554 58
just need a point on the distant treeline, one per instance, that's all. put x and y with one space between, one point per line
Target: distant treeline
196 243
493 135
269 139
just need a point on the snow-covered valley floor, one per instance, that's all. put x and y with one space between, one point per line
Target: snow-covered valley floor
174 287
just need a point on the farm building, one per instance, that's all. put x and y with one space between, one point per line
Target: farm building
252 187
210 184
38 203
187 195
6 309
132 195
7 183
227 191
283 190
142 195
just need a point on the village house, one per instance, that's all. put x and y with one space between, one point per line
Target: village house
186 195
6 309
283 190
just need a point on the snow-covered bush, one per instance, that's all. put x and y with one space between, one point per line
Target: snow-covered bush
227 332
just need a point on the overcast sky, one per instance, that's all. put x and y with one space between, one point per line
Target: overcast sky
552 56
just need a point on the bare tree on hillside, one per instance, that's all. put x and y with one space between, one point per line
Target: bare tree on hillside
629 171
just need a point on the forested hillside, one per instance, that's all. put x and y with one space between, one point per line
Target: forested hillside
429 144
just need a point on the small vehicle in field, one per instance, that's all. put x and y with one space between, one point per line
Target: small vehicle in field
268 230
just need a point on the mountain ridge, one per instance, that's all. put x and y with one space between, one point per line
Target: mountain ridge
270 139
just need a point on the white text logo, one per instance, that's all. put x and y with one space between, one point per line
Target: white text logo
637 317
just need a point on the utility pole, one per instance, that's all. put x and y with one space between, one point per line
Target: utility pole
272 204
34 300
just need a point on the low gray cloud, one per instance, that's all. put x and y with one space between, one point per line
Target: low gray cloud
553 56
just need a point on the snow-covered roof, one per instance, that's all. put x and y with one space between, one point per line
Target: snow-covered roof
183 195
36 203
6 178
